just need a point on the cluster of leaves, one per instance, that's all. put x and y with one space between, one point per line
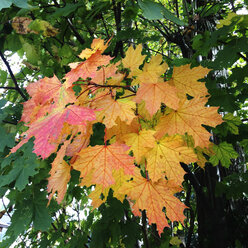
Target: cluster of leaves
51 34
158 138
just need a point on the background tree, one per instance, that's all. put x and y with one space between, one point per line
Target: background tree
48 35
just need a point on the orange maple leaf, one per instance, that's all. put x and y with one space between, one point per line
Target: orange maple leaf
46 130
60 175
186 81
153 197
165 157
188 118
123 108
155 93
103 160
86 69
122 128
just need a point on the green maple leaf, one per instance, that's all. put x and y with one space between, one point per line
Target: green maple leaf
21 165
232 123
223 153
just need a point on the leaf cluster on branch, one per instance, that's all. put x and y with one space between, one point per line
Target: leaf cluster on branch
152 124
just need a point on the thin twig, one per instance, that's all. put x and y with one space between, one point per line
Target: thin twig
17 88
8 88
109 86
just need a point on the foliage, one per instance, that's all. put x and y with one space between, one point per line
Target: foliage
128 121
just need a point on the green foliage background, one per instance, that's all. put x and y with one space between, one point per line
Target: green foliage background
183 32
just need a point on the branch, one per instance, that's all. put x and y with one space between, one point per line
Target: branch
192 218
117 13
17 88
243 57
108 86
8 88
8 122
144 229
192 178
80 39
104 24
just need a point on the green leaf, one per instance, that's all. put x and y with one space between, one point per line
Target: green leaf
154 11
19 222
44 27
168 15
42 218
67 10
232 123
31 53
244 144
223 153
3 77
151 10
234 186
6 139
22 4
22 167
12 43
5 4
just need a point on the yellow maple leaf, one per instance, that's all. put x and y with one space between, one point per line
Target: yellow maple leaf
103 160
140 143
153 197
151 71
133 59
188 118
186 80
156 93
97 44
122 108
165 157
100 193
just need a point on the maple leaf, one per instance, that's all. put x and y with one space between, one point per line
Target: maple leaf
47 89
86 69
103 160
188 118
140 143
122 128
46 130
223 153
122 108
80 141
155 93
96 195
104 73
153 197
59 175
133 60
165 157
96 45
47 94
151 71
186 80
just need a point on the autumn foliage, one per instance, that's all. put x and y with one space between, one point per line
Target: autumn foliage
151 126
